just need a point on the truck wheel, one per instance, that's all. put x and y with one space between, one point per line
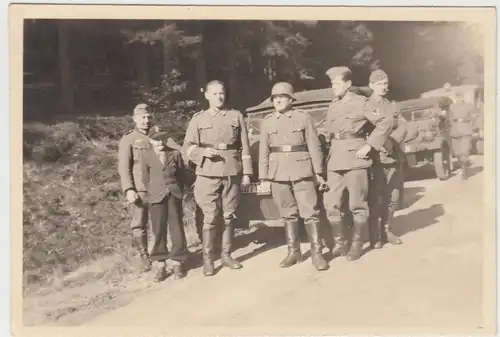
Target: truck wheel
442 165
480 146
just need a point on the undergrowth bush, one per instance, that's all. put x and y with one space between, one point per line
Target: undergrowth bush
73 208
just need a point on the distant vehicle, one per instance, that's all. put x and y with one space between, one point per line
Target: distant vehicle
428 140
473 94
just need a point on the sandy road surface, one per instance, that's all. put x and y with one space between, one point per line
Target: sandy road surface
432 283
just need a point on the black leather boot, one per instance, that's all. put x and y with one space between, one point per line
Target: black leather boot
292 240
390 236
357 246
208 251
161 273
376 232
141 244
312 229
340 248
227 243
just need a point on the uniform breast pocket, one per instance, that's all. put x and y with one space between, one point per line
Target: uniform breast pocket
138 150
205 129
273 133
298 134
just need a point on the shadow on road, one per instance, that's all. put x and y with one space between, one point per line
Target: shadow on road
270 237
412 195
417 219
472 171
475 170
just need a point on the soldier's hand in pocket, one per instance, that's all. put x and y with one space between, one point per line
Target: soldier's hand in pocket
363 152
132 196
264 186
210 153
322 186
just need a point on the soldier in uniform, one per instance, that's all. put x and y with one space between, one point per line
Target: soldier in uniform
217 143
348 160
290 158
461 117
132 148
386 173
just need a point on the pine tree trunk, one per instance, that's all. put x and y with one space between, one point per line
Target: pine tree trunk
66 82
142 65
232 66
201 65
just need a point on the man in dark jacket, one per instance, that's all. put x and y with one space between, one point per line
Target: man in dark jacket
164 179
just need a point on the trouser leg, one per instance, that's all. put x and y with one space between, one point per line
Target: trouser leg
332 201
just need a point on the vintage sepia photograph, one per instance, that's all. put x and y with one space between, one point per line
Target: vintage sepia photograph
253 170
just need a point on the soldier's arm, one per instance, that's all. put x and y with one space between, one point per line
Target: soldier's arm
145 167
181 170
125 163
264 152
192 143
245 147
399 134
314 146
383 122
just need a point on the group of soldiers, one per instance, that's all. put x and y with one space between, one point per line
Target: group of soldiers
363 136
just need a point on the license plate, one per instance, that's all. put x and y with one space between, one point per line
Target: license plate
253 188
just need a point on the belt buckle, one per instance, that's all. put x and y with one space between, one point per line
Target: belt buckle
336 136
222 146
287 148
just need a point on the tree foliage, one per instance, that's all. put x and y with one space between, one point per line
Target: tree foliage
172 60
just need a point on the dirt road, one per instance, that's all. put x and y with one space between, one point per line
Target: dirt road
432 283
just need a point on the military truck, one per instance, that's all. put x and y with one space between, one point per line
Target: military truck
472 94
427 141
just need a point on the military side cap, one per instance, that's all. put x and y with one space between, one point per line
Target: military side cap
157 133
337 71
141 109
378 75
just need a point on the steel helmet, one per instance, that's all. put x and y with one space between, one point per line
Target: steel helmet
282 88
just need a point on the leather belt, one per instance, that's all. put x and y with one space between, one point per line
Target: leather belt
337 136
460 120
289 148
221 146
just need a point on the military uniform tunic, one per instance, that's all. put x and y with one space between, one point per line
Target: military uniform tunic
290 156
132 148
386 172
346 123
218 177
461 117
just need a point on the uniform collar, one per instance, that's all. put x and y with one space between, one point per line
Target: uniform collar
347 97
214 112
377 98
287 113
140 131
